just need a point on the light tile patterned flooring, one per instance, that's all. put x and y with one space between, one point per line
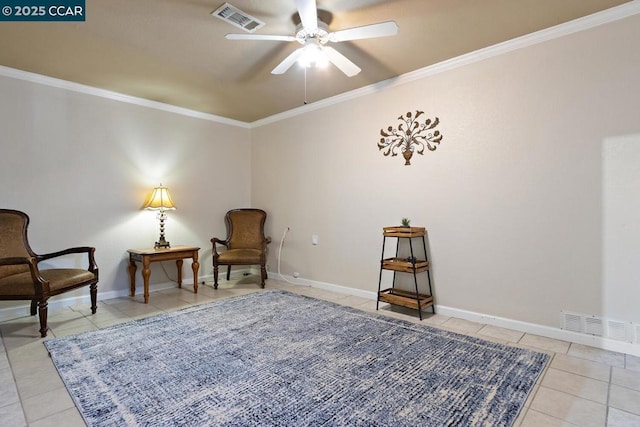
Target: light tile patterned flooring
582 386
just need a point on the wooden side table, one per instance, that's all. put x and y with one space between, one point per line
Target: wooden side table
147 256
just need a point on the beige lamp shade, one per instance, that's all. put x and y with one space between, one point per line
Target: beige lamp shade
159 200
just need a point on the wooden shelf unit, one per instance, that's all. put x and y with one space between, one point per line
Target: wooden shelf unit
411 299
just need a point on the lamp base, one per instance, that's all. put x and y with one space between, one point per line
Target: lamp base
162 244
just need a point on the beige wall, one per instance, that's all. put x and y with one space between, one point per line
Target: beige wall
82 165
512 199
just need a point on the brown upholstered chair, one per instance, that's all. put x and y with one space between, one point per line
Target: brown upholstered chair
20 277
245 242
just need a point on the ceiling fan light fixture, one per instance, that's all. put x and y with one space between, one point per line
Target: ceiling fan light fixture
312 32
322 61
313 54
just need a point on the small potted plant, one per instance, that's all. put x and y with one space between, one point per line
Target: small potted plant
405 222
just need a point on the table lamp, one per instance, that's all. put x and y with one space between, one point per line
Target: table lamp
160 200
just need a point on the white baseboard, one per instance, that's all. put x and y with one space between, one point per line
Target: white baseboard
61 302
326 286
23 307
10 313
517 325
542 330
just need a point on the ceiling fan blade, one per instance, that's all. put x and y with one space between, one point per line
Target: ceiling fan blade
382 29
308 12
259 37
341 61
288 61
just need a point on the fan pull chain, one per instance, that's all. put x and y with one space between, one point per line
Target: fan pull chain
305 85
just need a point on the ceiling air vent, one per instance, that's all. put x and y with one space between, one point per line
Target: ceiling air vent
237 18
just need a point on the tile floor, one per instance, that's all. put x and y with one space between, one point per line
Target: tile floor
582 386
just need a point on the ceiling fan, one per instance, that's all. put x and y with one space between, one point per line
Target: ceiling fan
313 35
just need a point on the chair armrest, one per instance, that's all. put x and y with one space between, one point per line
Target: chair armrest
265 245
222 242
32 262
90 251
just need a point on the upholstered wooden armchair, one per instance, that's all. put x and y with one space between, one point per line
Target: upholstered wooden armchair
246 243
22 279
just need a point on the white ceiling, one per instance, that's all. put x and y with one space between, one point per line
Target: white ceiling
174 51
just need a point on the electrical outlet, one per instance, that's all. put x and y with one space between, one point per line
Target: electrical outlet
314 239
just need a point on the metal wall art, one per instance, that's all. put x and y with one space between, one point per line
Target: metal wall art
410 136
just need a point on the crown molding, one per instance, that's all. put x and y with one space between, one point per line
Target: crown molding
561 30
90 90
610 15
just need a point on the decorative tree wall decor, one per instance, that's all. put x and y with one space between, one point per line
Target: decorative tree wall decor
410 136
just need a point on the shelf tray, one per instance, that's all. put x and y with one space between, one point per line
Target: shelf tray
401 264
405 298
403 231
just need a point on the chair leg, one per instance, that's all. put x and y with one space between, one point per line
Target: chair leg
263 274
93 290
228 272
215 276
42 311
34 307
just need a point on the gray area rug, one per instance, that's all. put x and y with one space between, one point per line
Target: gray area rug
276 358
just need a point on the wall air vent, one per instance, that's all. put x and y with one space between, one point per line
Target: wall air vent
593 325
601 327
617 330
237 18
571 322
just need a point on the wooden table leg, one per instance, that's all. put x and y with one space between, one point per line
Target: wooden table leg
146 272
132 275
194 266
179 265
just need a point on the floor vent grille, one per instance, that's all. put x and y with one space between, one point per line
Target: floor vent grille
237 18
